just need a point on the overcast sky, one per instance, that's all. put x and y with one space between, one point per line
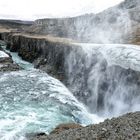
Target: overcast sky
33 9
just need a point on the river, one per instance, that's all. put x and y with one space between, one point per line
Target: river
104 80
31 101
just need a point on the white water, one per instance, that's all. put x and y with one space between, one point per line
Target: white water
100 75
31 101
106 77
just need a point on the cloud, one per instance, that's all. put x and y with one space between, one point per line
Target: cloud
30 9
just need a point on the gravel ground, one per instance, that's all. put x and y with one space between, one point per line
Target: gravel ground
126 127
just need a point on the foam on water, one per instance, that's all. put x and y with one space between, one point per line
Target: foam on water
105 77
125 55
32 101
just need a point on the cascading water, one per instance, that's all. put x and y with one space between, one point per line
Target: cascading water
31 101
105 77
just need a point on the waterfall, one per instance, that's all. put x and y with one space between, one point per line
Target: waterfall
31 101
104 80
106 77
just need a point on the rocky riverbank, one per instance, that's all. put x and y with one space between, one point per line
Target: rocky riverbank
126 127
6 62
46 52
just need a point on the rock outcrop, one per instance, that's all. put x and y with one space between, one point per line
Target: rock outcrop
46 52
6 62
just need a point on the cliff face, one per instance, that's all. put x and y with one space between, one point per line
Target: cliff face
67 27
122 20
104 77
97 71
47 53
78 66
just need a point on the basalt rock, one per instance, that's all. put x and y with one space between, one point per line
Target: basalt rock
47 54
7 64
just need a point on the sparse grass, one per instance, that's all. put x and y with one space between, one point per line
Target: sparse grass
46 37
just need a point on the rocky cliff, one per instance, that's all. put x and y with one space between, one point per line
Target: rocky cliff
122 20
88 70
76 65
107 73
46 52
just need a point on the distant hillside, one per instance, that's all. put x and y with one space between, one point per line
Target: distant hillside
119 24
17 24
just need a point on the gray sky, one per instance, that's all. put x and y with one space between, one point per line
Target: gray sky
33 9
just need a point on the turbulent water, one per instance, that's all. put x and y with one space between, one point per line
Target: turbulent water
106 78
24 64
31 101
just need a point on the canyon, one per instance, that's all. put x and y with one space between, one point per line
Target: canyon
95 56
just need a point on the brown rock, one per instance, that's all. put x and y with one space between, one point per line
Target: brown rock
63 127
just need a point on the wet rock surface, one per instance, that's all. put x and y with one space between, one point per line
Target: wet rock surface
47 54
7 64
70 63
126 127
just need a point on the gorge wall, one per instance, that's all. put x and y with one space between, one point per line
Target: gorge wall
105 77
47 53
99 75
122 20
